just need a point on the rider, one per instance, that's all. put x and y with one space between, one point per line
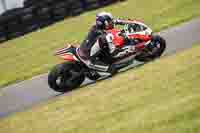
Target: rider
96 40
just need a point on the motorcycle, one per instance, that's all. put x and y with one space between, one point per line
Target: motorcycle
134 41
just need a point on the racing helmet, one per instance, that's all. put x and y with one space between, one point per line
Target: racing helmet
104 20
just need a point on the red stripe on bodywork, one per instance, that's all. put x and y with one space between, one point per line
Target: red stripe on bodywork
67 57
142 37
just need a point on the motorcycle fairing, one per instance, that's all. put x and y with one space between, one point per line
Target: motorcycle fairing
140 36
118 40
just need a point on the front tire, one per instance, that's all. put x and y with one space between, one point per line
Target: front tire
154 50
65 77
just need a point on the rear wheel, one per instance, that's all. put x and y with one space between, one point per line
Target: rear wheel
153 50
65 77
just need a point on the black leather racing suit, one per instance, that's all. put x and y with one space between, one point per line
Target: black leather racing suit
90 40
89 48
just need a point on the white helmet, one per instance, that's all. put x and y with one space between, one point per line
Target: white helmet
104 20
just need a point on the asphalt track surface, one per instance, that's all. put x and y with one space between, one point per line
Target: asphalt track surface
24 95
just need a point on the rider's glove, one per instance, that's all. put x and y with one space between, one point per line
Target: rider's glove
125 36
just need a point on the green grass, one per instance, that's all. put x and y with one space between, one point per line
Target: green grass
30 55
159 97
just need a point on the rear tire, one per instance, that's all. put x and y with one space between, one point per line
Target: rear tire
60 76
156 40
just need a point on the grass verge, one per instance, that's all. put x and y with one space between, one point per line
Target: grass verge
31 55
159 97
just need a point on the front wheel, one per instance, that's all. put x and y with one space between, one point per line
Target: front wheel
65 77
154 50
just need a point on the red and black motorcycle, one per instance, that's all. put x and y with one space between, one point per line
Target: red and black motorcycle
143 46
